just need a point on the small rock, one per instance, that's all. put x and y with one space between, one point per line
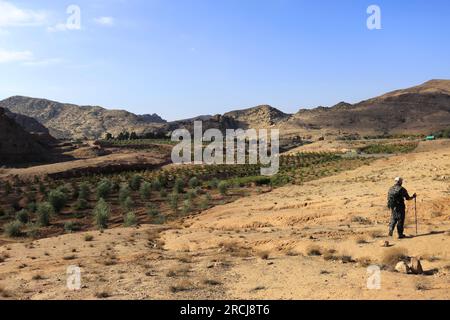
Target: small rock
402 267
415 266
384 244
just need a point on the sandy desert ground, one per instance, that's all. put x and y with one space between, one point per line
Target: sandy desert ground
313 241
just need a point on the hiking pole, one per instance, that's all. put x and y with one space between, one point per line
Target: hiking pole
415 212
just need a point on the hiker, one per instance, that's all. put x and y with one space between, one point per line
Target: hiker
396 202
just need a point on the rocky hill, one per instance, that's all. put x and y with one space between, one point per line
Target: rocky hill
259 117
17 146
418 110
69 121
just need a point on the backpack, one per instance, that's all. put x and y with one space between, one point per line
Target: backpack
395 197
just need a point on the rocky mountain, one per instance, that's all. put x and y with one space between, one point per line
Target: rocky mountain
17 146
69 121
418 110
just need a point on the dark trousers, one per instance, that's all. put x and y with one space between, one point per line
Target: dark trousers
397 219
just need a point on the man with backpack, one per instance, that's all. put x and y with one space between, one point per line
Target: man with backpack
396 202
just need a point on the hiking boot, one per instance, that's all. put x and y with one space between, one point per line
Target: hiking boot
391 233
402 236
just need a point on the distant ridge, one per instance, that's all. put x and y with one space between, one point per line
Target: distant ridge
69 121
417 110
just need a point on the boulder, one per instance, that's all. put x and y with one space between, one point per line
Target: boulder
402 267
415 266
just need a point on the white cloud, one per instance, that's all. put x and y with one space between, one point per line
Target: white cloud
15 56
105 21
12 16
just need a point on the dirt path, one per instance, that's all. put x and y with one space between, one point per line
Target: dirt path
257 247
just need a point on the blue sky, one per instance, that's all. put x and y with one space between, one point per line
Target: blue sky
189 57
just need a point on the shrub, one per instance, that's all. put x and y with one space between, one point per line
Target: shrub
128 204
83 191
71 226
124 193
194 183
88 237
152 211
213 184
13 229
223 188
156 185
191 194
204 204
81 204
361 220
187 206
314 250
145 190
44 211
32 207
179 185
135 182
159 219
173 201
33 230
130 219
104 188
23 216
101 214
57 199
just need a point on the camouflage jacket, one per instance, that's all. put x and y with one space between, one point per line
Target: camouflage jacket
396 197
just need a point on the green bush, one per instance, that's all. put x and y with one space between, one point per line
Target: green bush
128 204
80 205
23 216
213 184
173 201
156 185
130 219
84 191
191 194
159 219
152 211
101 214
187 206
205 203
145 190
32 207
71 226
389 148
104 188
124 194
44 212
178 185
223 188
13 229
194 183
58 199
135 182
